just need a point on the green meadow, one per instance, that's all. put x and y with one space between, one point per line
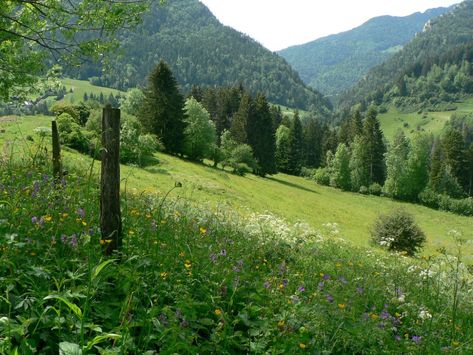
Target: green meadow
293 198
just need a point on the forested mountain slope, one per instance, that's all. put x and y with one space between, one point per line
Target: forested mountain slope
335 63
202 51
434 69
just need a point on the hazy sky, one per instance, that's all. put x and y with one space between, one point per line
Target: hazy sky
278 24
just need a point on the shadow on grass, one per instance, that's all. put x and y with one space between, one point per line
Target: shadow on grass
290 184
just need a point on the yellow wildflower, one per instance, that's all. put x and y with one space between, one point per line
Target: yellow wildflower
302 346
218 312
48 218
341 305
281 323
182 254
187 264
202 230
163 274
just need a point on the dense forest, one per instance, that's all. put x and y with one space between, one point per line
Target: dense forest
337 62
430 71
201 51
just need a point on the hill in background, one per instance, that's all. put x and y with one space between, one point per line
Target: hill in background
337 62
202 51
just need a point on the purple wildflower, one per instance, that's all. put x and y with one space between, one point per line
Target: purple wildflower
416 339
223 252
73 241
321 286
301 289
285 282
326 277
397 338
384 315
34 219
330 298
267 285
63 239
80 212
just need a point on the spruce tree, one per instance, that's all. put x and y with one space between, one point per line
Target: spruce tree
418 163
240 119
313 144
163 108
296 142
261 137
373 139
282 148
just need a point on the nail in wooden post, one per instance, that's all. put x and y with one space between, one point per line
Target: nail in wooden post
110 215
57 168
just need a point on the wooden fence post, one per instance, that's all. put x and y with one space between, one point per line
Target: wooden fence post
110 215
57 168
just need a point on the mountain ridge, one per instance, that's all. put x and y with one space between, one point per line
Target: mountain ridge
336 62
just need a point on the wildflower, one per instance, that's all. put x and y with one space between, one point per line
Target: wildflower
455 343
63 239
105 241
360 290
301 289
202 230
73 241
34 220
341 306
326 277
187 264
302 346
223 252
281 323
321 286
80 212
131 232
218 312
163 275
424 314
373 316
330 298
48 218
266 285
416 339
182 254
384 315
397 338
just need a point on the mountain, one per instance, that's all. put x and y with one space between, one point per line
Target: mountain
335 63
202 51
434 68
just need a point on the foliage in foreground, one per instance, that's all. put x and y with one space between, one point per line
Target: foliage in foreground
213 282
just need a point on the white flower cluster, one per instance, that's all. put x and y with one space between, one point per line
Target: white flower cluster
424 314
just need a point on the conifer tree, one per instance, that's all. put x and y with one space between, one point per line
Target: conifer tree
296 142
282 148
418 164
375 148
163 108
240 119
313 144
261 137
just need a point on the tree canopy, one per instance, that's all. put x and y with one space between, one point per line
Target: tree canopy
33 31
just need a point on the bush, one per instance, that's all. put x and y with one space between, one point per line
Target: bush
444 202
398 231
375 189
70 133
363 190
322 176
307 173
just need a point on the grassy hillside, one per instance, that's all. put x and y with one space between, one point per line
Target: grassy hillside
432 122
80 87
287 196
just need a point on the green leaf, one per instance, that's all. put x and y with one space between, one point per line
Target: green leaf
66 348
100 267
74 308
100 338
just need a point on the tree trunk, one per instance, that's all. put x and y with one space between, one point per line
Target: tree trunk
110 214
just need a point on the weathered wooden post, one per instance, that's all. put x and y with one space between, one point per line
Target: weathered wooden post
57 167
110 215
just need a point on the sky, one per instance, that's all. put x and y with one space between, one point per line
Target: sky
278 24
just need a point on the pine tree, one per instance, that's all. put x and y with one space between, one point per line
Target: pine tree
296 142
261 137
375 147
163 108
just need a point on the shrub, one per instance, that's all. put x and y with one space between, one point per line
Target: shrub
307 173
322 176
375 189
363 190
71 134
398 231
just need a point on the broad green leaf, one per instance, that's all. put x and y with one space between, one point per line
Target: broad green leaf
100 267
100 338
66 348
